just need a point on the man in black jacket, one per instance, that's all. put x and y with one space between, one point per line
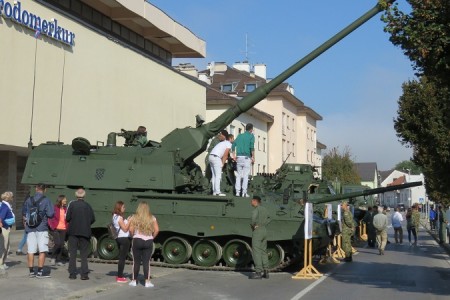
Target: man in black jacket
80 217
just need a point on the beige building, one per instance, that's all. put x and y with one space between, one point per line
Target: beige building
289 134
75 68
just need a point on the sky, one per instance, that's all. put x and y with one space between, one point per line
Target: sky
354 86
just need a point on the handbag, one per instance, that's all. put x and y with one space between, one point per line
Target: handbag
112 231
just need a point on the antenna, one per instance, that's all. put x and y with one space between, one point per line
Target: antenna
62 93
247 52
30 142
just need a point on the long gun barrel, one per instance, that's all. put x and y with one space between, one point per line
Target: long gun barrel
365 192
198 137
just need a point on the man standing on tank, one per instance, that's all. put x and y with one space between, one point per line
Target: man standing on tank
348 229
260 219
80 216
244 149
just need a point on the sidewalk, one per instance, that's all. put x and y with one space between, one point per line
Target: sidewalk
15 284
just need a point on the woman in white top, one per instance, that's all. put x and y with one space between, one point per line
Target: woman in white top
144 228
217 158
123 239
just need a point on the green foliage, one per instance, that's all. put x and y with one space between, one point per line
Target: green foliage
423 35
340 166
406 165
423 120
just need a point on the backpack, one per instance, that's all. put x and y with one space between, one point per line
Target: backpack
34 217
112 231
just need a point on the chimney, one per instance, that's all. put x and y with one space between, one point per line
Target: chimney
242 66
214 67
260 70
188 69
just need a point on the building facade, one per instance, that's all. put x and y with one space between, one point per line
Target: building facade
73 68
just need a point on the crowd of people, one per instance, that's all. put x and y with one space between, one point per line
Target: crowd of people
377 222
72 221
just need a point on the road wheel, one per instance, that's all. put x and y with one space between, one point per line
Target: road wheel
176 250
206 253
275 254
237 253
107 248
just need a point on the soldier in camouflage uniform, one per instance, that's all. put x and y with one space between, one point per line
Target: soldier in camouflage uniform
415 218
348 229
260 218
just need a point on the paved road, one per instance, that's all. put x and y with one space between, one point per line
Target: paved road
405 272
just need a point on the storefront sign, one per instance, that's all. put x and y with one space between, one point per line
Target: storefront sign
49 28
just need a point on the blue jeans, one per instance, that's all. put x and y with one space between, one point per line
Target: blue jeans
22 242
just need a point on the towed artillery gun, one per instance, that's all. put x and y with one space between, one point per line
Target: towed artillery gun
197 227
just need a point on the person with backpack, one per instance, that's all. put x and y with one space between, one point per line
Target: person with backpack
380 222
7 219
37 210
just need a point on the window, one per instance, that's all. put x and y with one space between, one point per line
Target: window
287 121
293 150
293 124
283 123
307 156
264 169
240 130
232 127
104 23
227 87
250 87
307 133
283 151
264 145
259 143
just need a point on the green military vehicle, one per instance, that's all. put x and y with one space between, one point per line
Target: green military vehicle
194 226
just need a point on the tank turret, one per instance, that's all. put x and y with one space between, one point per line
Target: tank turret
193 225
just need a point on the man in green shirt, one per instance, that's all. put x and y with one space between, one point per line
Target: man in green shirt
260 219
244 154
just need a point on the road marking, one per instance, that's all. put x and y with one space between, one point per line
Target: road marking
309 288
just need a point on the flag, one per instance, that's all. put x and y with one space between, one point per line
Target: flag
37 33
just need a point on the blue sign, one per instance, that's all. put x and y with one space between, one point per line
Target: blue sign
49 28
421 200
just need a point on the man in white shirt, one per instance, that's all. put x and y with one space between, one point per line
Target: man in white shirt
217 158
397 220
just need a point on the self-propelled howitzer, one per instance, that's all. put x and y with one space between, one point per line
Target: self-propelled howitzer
193 225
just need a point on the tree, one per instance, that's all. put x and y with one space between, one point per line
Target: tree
340 166
423 120
406 165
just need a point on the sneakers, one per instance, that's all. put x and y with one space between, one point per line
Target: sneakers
84 277
32 275
41 275
19 253
221 194
121 279
237 195
4 267
246 195
132 283
148 284
73 276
